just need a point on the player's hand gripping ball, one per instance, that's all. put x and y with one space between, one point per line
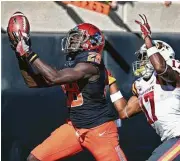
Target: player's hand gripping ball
18 26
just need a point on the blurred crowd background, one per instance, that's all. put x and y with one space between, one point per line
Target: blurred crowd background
57 17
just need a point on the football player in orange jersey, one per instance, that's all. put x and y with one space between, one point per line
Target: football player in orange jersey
91 121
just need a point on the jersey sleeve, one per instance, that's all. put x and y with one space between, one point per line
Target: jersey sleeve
134 89
174 64
110 79
94 57
89 57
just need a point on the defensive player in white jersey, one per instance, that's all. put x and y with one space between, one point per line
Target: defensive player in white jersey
156 93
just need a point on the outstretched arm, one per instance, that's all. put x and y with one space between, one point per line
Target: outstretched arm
125 109
32 79
51 75
163 70
156 59
67 75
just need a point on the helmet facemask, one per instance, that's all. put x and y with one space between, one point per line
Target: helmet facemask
142 67
74 40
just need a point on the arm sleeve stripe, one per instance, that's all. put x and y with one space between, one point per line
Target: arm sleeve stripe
111 80
134 90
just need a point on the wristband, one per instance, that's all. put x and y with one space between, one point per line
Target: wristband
114 97
32 57
151 51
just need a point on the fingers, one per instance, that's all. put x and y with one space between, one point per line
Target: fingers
144 26
15 36
138 22
143 18
20 35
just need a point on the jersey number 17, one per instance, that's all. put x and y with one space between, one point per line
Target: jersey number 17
148 99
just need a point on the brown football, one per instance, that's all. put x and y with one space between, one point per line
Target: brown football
18 22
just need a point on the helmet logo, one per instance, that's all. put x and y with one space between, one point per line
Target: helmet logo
160 45
97 36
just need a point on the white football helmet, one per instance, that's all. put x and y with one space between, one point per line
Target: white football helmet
143 67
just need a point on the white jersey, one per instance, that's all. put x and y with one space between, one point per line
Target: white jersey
161 104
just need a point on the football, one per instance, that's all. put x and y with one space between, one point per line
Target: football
18 22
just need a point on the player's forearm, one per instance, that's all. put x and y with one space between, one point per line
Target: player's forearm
25 72
132 107
156 59
127 109
118 100
31 79
58 77
45 70
119 106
